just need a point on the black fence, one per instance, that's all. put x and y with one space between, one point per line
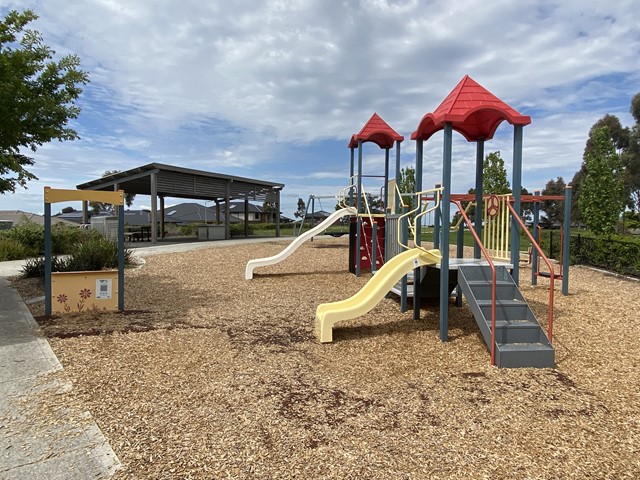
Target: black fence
610 254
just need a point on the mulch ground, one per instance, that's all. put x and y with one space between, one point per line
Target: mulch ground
208 375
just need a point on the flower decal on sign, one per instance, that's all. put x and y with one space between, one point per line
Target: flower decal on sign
85 293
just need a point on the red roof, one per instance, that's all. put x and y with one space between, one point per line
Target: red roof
473 110
376 130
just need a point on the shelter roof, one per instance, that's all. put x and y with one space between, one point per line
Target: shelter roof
378 131
472 110
182 182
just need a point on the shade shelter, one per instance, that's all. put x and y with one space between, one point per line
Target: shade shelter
377 131
475 113
159 181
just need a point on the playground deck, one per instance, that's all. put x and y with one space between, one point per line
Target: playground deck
211 376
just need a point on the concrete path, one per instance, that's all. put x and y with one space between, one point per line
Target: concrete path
43 433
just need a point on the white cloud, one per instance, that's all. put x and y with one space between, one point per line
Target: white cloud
238 87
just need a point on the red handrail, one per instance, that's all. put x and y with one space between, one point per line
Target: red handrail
493 278
546 260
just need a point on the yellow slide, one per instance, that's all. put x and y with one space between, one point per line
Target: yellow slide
375 290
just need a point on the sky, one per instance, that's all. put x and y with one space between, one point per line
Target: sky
274 89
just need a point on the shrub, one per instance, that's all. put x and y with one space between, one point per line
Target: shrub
237 229
615 253
95 253
190 230
29 234
11 249
92 254
64 237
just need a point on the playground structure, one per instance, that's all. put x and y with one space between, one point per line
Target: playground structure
95 290
489 281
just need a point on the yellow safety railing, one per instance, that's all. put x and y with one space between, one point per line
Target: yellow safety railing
422 204
496 230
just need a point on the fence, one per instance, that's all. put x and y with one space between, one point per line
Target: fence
610 254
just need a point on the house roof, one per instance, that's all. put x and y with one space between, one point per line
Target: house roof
472 110
18 217
179 182
238 207
378 131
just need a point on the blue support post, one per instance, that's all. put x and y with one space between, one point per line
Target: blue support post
444 251
405 236
517 190
47 257
417 272
536 237
460 254
385 199
436 223
121 257
566 244
479 193
399 202
374 246
359 210
351 177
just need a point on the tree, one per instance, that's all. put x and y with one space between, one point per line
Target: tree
554 209
98 207
602 191
270 209
302 208
494 180
631 158
407 184
37 97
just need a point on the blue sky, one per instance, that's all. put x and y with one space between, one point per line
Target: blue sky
274 89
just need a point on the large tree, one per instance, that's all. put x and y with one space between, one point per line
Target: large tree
554 209
407 184
631 158
602 191
37 97
98 207
494 178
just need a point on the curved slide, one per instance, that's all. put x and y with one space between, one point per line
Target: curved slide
375 290
326 223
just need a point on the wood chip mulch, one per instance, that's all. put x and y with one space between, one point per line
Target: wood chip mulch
210 376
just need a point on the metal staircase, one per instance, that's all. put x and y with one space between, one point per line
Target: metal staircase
519 339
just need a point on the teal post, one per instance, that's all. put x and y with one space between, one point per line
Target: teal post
351 177
417 272
566 244
399 202
385 200
359 210
121 257
405 235
536 237
460 254
436 223
479 193
444 251
47 258
517 190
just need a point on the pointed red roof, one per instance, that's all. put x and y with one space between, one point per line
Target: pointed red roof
378 131
473 110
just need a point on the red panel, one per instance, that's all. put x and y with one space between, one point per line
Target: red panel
366 243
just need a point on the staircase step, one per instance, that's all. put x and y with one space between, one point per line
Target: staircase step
517 355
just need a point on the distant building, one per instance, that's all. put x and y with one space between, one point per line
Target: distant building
16 217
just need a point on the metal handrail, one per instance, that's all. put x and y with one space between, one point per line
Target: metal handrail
535 244
493 278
